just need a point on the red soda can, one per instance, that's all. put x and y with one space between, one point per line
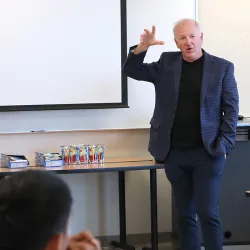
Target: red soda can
93 154
65 154
100 153
72 154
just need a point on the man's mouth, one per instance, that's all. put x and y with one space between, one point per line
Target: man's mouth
189 50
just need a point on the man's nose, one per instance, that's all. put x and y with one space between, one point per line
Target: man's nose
188 41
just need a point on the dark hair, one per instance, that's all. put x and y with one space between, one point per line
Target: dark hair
34 206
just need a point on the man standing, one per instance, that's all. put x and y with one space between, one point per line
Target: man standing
193 127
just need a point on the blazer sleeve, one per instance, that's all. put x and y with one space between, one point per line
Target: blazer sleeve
136 69
230 108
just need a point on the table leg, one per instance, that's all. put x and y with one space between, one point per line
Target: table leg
154 219
122 215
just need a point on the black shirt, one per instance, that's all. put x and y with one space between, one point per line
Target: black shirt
187 129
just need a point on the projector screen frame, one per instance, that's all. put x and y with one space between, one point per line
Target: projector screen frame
124 82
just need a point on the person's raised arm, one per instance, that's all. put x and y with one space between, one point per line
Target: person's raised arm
147 39
134 66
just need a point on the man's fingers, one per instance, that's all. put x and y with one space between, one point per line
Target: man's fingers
159 42
147 31
153 30
96 243
84 235
81 245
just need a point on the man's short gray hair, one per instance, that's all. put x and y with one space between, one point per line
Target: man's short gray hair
186 20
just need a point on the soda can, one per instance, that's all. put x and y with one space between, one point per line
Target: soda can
93 154
83 154
73 154
65 154
100 153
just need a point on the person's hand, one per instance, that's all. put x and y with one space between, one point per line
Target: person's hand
83 241
147 39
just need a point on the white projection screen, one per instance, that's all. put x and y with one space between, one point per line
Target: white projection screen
62 54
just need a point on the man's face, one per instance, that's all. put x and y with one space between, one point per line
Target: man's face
65 237
59 241
188 39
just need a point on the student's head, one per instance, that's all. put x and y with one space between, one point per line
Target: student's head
35 209
188 38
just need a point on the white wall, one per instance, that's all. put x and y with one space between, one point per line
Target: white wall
226 26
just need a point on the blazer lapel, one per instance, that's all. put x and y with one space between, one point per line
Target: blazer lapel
206 76
177 65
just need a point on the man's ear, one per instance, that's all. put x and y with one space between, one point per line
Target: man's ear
55 243
176 43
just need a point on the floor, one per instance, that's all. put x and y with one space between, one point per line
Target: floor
169 246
